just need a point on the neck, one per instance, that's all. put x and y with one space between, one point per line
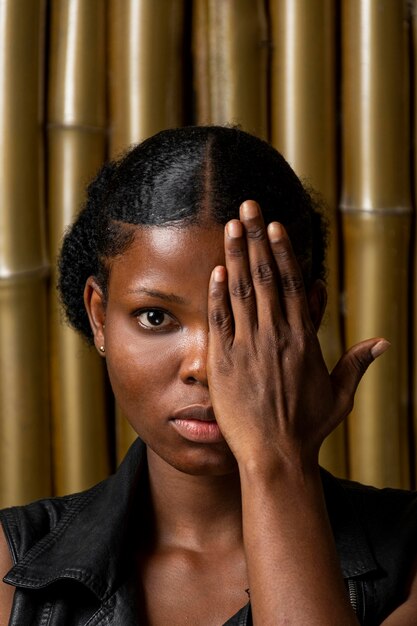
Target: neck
193 512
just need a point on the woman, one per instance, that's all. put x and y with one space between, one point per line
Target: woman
209 334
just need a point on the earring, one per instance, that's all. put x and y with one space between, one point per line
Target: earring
102 349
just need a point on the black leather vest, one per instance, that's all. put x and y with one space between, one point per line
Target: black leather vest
72 559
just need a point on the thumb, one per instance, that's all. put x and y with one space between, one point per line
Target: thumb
349 370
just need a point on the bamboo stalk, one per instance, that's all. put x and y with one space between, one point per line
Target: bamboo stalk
24 419
303 129
376 305
24 425
77 72
376 221
76 148
80 424
230 51
146 89
146 59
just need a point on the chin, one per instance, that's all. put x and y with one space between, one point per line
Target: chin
200 460
208 469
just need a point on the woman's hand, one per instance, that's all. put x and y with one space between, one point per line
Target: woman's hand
272 395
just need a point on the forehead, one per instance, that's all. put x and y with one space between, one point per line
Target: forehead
170 254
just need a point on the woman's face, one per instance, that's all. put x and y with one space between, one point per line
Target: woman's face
156 338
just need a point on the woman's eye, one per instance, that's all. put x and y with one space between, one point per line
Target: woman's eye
155 319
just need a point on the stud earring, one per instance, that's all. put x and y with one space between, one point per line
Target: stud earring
102 349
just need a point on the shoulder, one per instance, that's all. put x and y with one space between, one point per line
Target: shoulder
386 518
47 522
26 525
20 528
376 537
386 507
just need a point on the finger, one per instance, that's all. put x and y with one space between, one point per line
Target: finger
241 291
219 315
293 295
261 262
349 370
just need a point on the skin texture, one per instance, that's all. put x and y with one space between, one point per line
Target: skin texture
200 317
155 371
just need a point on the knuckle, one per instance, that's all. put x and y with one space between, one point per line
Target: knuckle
235 252
216 292
263 273
241 289
291 283
256 232
283 254
360 362
219 319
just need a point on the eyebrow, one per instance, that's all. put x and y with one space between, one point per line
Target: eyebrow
154 293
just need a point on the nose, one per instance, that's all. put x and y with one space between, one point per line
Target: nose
194 362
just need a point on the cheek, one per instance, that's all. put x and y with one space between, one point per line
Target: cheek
141 371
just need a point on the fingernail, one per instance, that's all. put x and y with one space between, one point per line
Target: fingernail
380 347
275 231
219 274
249 209
234 229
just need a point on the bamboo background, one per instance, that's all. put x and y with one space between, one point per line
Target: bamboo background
330 83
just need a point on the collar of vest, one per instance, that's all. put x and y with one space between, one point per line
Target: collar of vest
89 542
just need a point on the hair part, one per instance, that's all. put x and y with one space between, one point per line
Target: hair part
184 176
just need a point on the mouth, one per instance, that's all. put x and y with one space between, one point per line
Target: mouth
197 423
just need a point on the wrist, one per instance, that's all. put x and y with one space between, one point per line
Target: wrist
277 465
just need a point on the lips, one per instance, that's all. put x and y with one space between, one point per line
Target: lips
197 423
195 412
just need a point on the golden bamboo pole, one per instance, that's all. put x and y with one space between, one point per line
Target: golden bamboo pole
24 418
376 222
146 59
303 129
76 149
146 90
230 51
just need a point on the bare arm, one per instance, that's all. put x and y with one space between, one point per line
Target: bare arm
275 403
6 591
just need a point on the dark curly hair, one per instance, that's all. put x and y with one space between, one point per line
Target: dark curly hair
178 177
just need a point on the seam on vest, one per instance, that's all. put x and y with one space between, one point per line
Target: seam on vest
46 614
103 613
100 588
79 575
56 532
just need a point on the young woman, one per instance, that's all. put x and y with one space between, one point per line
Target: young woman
196 269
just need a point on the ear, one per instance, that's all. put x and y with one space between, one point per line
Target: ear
317 300
96 311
